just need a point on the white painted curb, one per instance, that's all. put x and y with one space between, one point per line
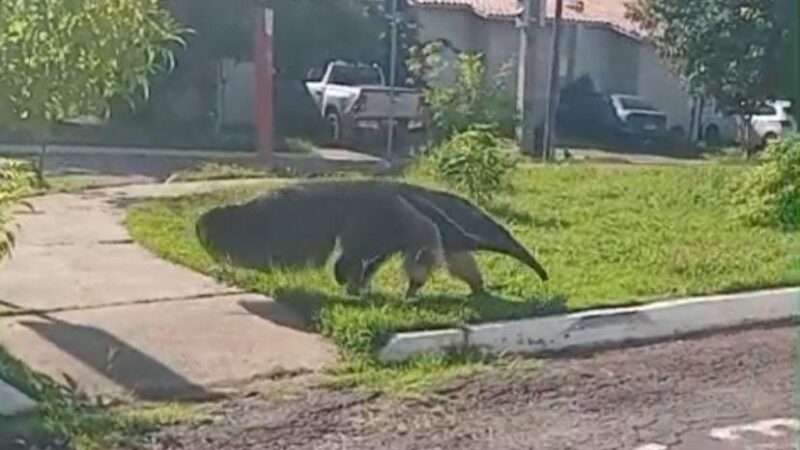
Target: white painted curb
591 329
13 402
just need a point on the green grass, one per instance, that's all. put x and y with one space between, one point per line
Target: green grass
66 415
217 171
608 235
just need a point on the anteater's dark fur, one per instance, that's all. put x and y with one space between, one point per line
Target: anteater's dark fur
372 220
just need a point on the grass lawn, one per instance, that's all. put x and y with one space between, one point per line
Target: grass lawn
608 235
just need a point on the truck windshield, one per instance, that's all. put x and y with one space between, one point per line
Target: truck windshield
355 75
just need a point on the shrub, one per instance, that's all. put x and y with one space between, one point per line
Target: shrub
16 181
473 98
770 193
472 162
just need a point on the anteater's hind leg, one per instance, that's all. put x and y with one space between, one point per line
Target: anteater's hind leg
422 250
463 266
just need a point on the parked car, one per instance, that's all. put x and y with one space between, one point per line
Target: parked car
611 118
771 120
356 103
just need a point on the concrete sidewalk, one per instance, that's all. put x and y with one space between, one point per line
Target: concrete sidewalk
80 298
147 165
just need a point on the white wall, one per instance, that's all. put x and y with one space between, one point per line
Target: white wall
663 89
460 27
616 63
237 94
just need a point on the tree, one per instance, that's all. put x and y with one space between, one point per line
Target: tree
63 59
790 80
722 49
473 99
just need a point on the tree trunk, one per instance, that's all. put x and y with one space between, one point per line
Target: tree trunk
748 146
43 138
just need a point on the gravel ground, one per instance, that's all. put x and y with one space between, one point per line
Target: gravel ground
678 395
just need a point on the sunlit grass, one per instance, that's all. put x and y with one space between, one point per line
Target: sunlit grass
608 235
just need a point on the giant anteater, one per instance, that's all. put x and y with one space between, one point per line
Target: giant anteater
371 220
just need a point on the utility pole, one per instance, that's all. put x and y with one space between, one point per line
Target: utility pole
525 77
553 88
392 81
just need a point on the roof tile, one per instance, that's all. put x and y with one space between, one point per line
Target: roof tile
602 12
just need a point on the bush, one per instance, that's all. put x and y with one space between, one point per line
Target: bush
770 194
16 181
472 162
473 98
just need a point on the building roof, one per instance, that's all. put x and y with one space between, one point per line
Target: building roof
487 9
610 13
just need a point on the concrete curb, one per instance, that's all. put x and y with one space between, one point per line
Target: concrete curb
14 402
594 329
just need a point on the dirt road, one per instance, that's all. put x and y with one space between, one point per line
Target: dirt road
726 392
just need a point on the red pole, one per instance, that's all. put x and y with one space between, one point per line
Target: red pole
263 62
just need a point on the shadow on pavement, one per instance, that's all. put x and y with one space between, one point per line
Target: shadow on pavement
124 365
276 313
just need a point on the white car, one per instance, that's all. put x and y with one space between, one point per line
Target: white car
772 120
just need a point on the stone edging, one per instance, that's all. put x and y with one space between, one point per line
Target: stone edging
607 327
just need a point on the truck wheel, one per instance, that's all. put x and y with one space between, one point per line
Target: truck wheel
334 122
768 139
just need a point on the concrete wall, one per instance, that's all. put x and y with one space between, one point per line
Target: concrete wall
237 92
611 59
616 63
496 40
462 28
663 88
501 44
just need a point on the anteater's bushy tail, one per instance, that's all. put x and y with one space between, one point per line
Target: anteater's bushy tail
465 227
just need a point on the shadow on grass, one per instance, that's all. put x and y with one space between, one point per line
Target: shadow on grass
360 326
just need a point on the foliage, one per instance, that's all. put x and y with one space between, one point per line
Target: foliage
16 181
216 171
422 59
80 422
67 59
472 99
472 162
789 18
407 35
722 49
608 234
770 193
300 146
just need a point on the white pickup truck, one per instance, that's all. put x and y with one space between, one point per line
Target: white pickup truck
357 104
